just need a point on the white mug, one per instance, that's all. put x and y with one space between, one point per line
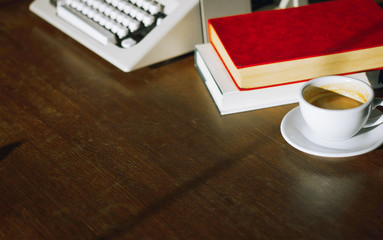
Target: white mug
324 106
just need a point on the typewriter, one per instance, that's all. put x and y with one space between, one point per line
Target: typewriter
130 34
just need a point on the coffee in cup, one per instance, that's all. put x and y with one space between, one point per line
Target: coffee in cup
333 97
337 107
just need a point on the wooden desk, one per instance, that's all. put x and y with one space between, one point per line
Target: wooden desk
90 152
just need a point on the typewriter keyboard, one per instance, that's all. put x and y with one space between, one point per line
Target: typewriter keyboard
121 22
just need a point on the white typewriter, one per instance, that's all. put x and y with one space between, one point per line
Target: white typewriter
128 33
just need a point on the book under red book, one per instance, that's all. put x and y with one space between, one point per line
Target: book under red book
290 45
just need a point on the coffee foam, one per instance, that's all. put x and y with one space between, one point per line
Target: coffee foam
349 89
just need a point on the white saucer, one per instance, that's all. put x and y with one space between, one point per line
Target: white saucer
297 134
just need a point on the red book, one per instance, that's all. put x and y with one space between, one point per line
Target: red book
290 45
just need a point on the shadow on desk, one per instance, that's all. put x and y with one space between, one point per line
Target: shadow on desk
8 149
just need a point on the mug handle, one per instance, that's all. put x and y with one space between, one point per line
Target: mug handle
376 120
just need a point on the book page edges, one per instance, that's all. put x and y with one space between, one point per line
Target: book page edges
223 55
296 70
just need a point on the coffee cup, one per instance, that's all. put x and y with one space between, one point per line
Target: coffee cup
338 107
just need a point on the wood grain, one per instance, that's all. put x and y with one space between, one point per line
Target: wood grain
90 152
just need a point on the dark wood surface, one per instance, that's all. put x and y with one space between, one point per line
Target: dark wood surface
90 152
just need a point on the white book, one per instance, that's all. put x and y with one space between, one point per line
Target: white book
229 99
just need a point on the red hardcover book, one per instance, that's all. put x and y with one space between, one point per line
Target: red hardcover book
290 45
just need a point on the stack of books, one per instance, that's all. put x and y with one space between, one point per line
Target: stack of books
262 59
